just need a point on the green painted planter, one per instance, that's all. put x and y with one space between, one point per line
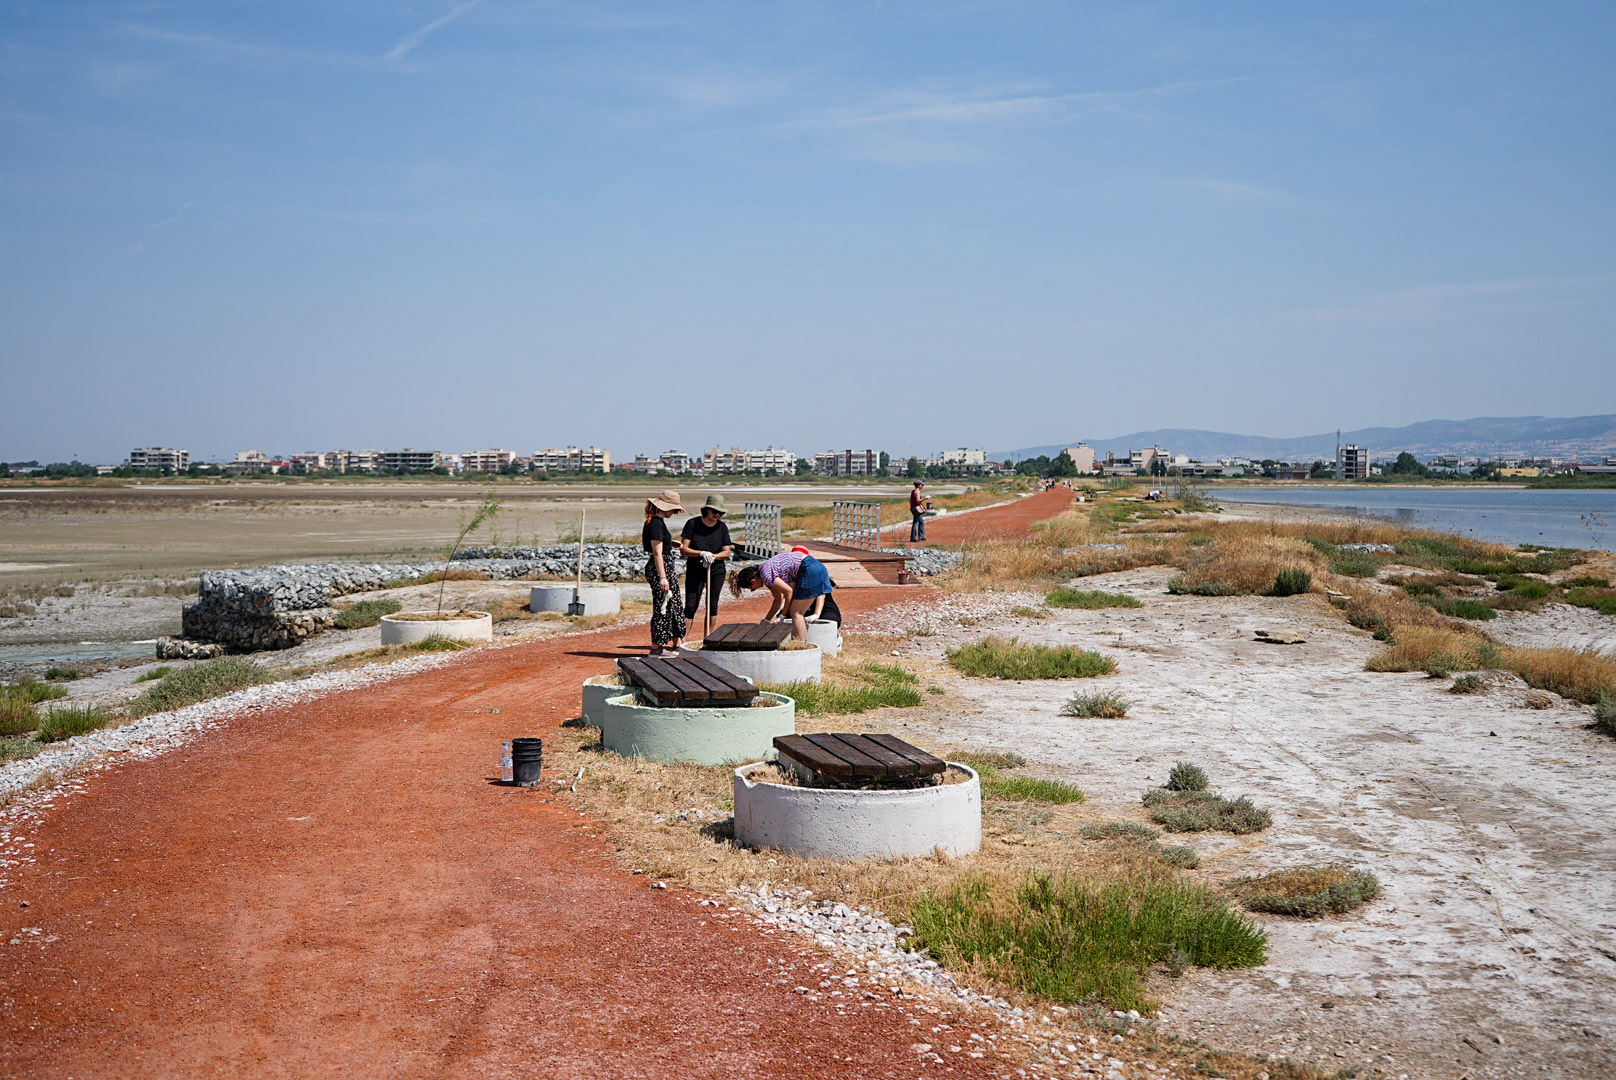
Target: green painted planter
696 736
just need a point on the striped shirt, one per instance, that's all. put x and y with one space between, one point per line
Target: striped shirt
787 565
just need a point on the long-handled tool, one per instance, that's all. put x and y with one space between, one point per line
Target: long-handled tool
707 602
577 605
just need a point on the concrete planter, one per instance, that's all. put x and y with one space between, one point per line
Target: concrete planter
826 823
596 599
826 634
597 689
632 728
765 666
397 631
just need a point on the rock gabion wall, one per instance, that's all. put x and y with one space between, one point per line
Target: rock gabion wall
602 562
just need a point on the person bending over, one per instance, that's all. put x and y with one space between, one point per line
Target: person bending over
798 584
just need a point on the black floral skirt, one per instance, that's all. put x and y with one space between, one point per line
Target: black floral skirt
667 613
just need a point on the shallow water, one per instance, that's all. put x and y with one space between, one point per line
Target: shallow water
1582 518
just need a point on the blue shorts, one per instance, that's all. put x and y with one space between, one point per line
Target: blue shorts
813 580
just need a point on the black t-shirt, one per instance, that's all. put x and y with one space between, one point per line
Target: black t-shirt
702 537
656 529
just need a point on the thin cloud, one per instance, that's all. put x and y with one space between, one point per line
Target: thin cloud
408 42
167 223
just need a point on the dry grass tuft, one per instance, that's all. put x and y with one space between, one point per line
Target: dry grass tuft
1307 891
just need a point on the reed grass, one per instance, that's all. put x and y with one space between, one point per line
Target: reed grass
365 613
187 686
64 722
1089 599
1031 789
996 658
856 689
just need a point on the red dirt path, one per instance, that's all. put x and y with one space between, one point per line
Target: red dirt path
999 521
337 888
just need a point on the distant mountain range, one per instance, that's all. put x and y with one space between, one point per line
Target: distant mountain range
1585 438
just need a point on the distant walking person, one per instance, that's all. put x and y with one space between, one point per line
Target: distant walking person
706 545
662 574
918 503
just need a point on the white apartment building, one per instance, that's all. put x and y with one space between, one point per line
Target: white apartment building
159 457
572 459
847 462
1082 456
486 461
964 457
1146 459
677 461
736 460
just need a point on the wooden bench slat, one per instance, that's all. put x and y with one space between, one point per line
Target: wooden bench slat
690 687
926 763
738 688
642 674
863 765
895 764
800 749
722 635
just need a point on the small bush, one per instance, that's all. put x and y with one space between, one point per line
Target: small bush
1181 586
1372 621
868 686
1416 587
1187 777
1105 706
995 658
366 613
1588 583
1441 665
1119 830
1180 856
1201 811
1079 598
1468 684
64 722
1462 609
1031 789
1070 939
439 643
1359 564
187 686
63 674
17 715
1598 599
33 691
19 749
1605 713
1429 547
154 674
1292 582
1308 891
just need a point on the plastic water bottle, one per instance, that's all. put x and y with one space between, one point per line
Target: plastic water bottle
507 769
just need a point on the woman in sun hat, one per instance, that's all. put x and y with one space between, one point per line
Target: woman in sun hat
706 545
661 573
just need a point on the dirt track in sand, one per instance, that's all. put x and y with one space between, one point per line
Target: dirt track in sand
340 888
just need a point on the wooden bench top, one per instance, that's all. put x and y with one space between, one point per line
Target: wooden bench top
686 680
842 756
748 635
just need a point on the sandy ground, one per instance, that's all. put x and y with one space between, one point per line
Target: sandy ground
1492 952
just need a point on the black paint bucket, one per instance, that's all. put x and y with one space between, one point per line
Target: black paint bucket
527 761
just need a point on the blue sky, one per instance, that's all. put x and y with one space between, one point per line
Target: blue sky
353 223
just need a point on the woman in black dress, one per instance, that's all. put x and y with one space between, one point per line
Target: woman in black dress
662 574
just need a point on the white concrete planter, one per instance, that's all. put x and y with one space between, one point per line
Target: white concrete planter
712 736
765 666
597 689
397 631
836 823
827 634
596 599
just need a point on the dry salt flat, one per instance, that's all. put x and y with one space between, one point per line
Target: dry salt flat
1492 953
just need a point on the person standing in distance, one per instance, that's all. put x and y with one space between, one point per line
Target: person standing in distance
706 545
918 504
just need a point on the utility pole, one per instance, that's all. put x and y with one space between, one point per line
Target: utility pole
1338 454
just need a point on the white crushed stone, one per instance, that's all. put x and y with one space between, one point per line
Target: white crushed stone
944 612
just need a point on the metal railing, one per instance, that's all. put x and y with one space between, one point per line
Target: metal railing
762 537
856 525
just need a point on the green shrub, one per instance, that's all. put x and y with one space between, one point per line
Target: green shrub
1105 706
439 643
1366 620
1292 582
1429 547
1588 583
17 715
995 658
1070 939
33 691
1521 588
1187 777
1030 789
187 686
1119 830
1308 891
19 749
1201 811
1441 665
868 686
1599 599
1421 588
154 674
1079 598
64 722
1605 712
1487 568
1468 684
1180 856
366 613
1179 586
1461 609
63 674
1355 564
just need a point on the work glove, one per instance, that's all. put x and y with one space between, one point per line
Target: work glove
707 558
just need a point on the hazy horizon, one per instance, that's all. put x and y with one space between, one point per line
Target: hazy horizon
463 224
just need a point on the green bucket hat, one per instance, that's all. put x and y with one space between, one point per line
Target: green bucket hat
715 502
